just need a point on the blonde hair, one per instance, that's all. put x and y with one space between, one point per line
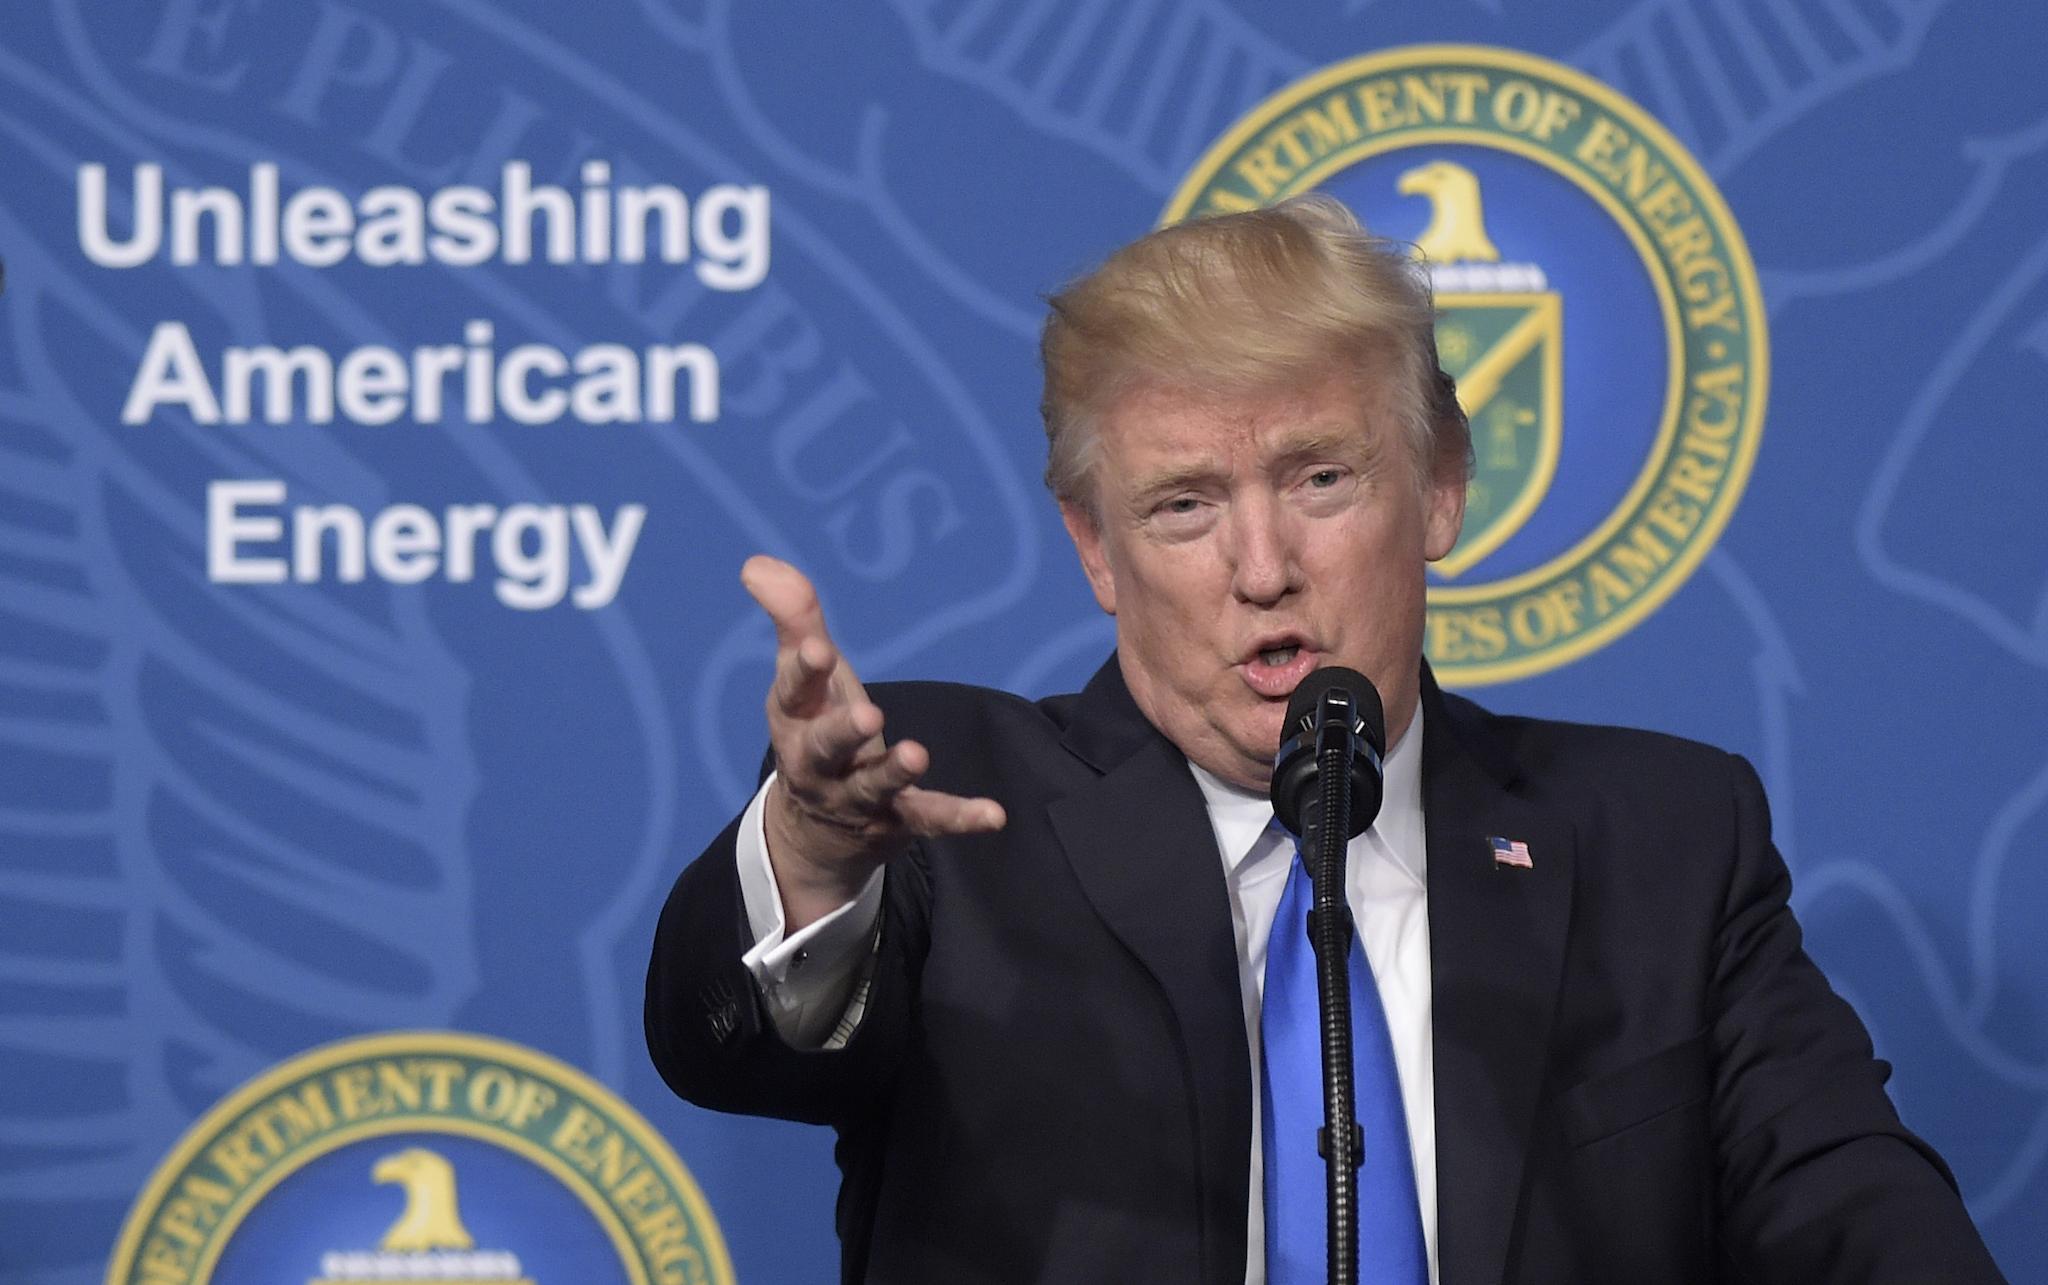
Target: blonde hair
1237 305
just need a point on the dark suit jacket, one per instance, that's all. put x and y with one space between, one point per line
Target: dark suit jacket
1640 1076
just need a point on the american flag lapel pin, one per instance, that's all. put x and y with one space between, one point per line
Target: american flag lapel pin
1511 852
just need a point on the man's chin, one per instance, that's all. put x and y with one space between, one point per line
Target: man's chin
1255 777
1232 760
1252 764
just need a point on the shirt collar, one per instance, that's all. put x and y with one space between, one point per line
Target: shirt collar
1240 816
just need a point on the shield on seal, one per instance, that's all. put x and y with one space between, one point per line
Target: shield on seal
1506 352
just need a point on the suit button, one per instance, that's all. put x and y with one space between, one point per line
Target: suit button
722 1011
725 1023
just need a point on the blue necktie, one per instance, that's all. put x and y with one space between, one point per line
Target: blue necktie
1390 1248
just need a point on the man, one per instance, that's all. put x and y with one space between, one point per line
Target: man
1016 953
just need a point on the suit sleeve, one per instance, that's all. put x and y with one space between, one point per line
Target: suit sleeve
1819 1180
713 1041
806 977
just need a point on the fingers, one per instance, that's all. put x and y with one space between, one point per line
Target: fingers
787 596
844 791
887 785
933 812
803 677
831 744
864 784
809 671
839 768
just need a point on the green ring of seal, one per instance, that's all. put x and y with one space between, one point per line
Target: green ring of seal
485 1050
1682 360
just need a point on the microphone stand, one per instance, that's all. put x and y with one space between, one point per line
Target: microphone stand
1325 838
1341 729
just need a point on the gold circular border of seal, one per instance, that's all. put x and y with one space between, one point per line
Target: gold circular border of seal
203 1131
1742 269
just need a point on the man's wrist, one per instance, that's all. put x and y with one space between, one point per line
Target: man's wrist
811 887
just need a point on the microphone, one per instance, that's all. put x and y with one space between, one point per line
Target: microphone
1326 777
1342 706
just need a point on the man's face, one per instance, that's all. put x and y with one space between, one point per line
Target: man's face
1242 543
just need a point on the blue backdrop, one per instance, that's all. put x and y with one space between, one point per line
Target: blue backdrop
238 820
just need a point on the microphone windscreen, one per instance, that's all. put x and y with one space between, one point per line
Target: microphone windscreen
1365 698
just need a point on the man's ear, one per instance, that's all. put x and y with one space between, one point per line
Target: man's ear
1087 538
1444 511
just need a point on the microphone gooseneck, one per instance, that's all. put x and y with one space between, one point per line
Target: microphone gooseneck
1326 790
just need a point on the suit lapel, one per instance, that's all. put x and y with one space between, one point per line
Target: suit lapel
1497 936
1139 840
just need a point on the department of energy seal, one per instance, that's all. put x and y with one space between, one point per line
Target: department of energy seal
417 1157
1596 305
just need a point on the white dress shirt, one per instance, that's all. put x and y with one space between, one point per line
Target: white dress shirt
807 978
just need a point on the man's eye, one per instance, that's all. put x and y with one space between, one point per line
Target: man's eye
1326 477
1180 504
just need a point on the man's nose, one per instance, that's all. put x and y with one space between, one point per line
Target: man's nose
1264 566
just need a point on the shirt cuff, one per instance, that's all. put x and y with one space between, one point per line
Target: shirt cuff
807 977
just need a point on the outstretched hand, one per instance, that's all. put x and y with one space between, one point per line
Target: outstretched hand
844 801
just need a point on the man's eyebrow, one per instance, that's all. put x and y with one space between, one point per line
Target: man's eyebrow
1176 474
1339 441
1173 477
